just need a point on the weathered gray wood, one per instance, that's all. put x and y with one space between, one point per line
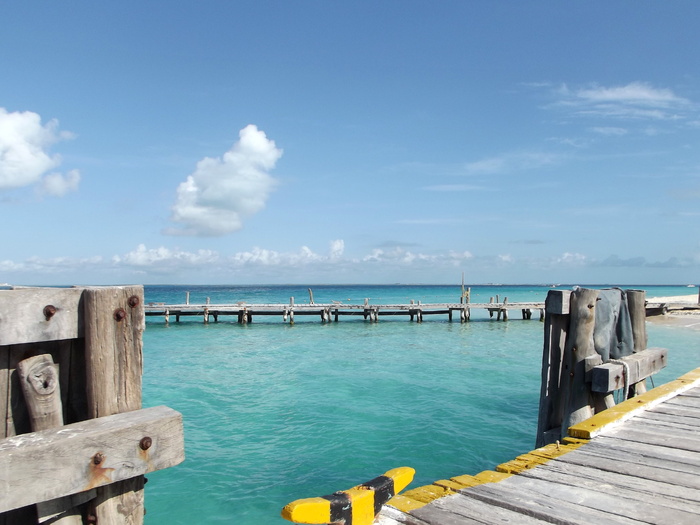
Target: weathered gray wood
557 302
114 321
631 465
637 430
686 401
577 397
664 420
574 475
38 376
679 410
459 509
610 376
636 304
544 501
555 330
44 465
29 315
637 451
671 507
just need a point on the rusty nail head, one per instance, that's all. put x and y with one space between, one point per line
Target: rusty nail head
98 458
119 314
145 443
49 311
133 301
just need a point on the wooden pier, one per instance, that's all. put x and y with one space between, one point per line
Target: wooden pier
638 462
415 311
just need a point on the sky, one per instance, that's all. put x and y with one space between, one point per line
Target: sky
310 142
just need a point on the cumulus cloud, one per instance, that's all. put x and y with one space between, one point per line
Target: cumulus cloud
223 191
143 257
25 157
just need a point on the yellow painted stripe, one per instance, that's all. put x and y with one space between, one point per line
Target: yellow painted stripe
309 510
361 500
593 426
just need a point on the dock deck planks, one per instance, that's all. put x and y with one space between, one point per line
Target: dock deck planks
643 470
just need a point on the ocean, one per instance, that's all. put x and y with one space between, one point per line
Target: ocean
275 412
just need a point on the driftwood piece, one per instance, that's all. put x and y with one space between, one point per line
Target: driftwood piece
114 322
44 465
39 379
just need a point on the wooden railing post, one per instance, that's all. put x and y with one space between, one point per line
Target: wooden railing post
556 326
114 322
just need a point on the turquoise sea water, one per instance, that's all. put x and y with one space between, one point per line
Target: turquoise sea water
274 412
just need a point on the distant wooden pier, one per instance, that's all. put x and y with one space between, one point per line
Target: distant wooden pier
327 312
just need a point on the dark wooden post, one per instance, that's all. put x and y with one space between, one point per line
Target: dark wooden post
556 326
114 323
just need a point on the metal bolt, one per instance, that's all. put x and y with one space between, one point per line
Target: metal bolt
49 311
98 458
133 301
119 314
145 443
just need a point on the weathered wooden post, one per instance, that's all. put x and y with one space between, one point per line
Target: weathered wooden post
114 323
88 404
556 327
578 404
636 302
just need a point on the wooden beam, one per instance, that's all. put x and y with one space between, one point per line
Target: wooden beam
611 376
32 315
44 465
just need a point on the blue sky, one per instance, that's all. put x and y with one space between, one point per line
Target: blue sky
349 142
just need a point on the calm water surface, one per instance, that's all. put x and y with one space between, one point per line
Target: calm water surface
274 412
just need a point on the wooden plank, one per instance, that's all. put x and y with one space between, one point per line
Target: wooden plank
667 421
649 468
23 318
544 501
686 401
675 438
575 475
611 376
618 448
679 410
114 322
459 509
618 501
44 465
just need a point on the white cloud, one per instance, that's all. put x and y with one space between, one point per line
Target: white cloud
58 185
636 100
337 249
24 153
143 256
609 130
222 192
511 162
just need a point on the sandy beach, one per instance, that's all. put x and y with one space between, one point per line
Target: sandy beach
686 319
